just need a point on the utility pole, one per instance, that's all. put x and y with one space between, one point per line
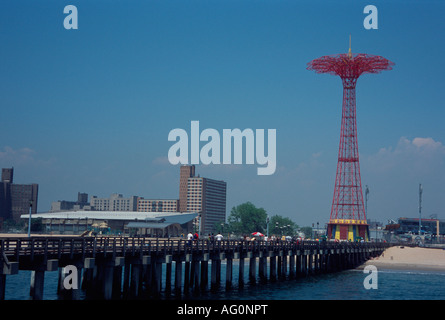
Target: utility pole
420 206
366 199
29 220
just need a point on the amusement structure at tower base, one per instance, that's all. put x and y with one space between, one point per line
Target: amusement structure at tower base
348 216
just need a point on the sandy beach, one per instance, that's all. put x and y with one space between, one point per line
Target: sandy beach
406 258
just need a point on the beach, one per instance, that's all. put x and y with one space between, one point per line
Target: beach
407 258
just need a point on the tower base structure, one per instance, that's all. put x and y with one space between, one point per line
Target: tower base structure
350 230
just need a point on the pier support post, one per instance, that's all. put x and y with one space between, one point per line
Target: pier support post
2 286
37 279
6 268
157 277
187 273
305 263
252 270
316 262
205 272
195 275
284 265
298 264
178 277
273 267
262 269
192 272
216 274
108 277
135 280
117 283
279 268
291 265
241 272
168 278
328 261
88 280
127 271
229 270
72 293
311 263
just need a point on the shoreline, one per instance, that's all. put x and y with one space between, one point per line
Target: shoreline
402 267
409 259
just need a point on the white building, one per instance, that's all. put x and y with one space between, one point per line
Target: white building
116 202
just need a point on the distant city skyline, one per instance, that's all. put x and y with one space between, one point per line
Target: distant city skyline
90 110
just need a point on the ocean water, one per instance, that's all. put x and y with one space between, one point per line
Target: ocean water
345 285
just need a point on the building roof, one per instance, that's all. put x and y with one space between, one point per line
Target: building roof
160 225
417 219
170 217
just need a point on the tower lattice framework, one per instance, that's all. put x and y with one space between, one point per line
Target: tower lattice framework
348 216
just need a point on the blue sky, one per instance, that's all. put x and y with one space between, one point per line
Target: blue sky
90 110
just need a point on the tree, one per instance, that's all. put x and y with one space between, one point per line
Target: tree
307 232
246 218
36 224
12 225
221 227
279 225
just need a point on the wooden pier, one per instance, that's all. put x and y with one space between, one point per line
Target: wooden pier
134 268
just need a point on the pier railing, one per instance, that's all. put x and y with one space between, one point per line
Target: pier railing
14 248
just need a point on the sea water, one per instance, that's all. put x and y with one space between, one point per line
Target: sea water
344 285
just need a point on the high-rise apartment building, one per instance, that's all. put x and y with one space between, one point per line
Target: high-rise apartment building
16 199
186 172
23 196
5 200
202 195
158 205
116 202
8 175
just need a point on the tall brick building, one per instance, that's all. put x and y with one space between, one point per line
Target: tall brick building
15 199
204 196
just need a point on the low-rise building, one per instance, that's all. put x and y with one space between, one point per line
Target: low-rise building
116 223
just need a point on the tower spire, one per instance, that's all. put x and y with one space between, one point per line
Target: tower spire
350 52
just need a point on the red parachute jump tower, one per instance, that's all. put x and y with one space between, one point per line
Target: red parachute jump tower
348 217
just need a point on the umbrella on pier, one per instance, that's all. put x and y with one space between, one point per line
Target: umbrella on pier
257 234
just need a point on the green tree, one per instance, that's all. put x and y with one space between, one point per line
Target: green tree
36 224
10 224
279 225
246 218
221 227
307 232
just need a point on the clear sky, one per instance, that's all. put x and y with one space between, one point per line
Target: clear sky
90 109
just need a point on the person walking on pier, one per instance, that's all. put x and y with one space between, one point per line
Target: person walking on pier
189 238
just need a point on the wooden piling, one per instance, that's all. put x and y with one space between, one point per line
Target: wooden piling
229 270
178 276
241 272
36 285
273 267
252 270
